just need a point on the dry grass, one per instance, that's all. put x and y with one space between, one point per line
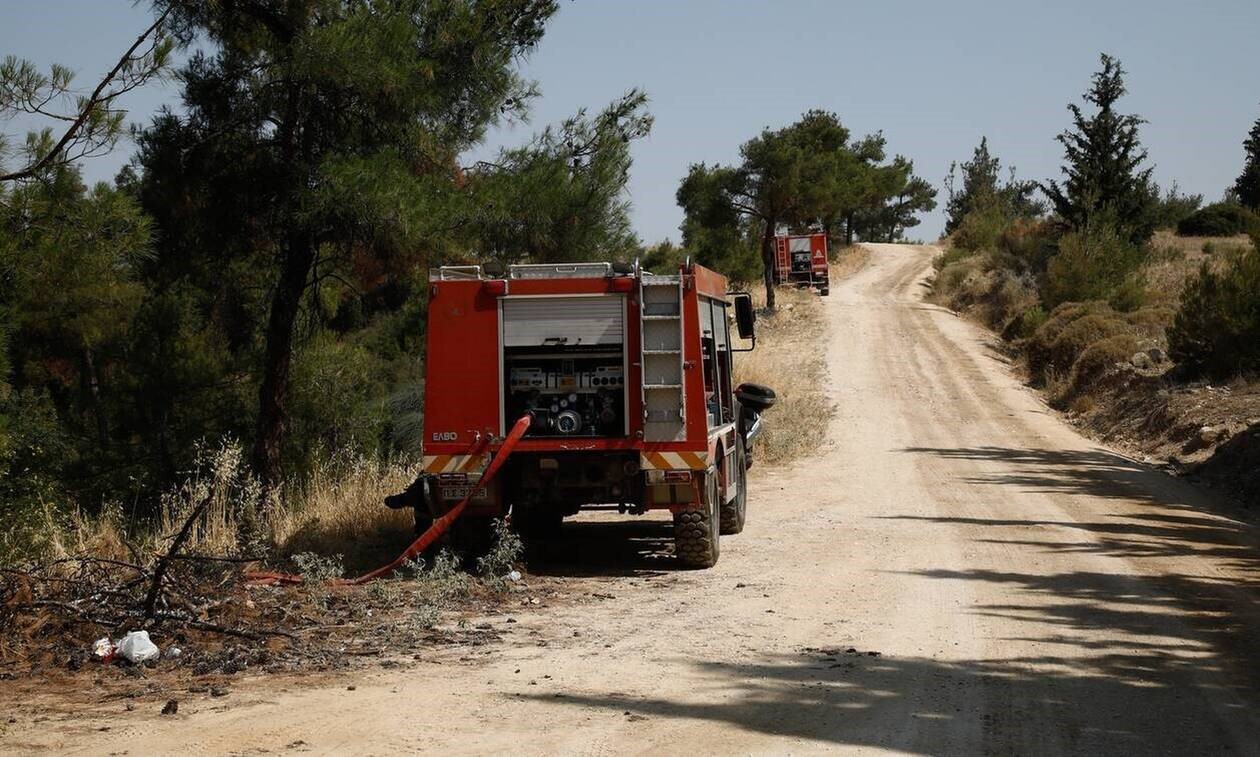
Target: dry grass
848 261
1176 259
338 511
789 360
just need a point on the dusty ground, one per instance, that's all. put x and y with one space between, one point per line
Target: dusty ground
957 571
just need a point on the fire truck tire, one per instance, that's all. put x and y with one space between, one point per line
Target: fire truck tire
735 511
696 531
824 291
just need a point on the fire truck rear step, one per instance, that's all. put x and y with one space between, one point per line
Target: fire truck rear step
660 320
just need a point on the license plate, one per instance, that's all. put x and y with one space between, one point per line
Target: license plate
459 492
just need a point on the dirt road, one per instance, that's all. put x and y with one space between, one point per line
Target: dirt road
957 572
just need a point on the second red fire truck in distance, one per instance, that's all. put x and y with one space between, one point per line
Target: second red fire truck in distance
801 260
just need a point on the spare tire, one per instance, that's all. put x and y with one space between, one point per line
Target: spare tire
756 396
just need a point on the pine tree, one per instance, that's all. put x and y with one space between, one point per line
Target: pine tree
982 190
563 196
1247 187
333 128
1104 175
979 184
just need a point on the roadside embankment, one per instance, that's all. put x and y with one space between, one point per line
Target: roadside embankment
1107 364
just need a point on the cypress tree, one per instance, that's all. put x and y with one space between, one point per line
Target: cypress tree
1247 186
1104 174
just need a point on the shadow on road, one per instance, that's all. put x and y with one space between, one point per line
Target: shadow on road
1185 521
1125 703
1161 656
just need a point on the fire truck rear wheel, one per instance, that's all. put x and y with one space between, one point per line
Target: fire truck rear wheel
696 531
735 511
824 291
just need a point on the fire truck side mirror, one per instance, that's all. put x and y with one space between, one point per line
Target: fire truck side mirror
745 316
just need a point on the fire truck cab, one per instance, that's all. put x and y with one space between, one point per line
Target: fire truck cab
801 260
627 378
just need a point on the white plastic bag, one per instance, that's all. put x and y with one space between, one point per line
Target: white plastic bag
137 647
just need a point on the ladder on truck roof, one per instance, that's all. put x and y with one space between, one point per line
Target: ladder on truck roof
661 344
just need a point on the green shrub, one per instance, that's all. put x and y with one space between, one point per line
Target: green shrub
980 229
1174 207
1030 242
951 256
1222 219
1055 345
1011 296
1079 335
1098 358
1216 331
1025 324
1096 264
1151 322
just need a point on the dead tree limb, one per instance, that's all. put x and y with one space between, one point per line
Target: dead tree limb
159 570
201 625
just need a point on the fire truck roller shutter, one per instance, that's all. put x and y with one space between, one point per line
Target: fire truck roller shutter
562 321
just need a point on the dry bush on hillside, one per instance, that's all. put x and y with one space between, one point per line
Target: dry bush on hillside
985 286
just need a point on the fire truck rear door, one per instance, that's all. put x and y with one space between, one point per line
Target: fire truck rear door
563 321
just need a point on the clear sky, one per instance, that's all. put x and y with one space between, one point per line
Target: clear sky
933 76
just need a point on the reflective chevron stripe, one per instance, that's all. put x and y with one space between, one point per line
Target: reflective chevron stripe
454 463
674 460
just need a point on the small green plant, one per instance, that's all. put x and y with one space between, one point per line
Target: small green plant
317 568
504 553
443 581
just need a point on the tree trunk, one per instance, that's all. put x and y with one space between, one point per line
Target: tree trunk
273 393
767 261
93 386
848 229
896 214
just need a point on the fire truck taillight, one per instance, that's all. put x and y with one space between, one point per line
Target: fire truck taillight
494 287
677 476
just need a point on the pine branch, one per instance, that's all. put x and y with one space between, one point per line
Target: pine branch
90 105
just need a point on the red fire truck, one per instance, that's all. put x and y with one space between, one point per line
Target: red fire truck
801 260
626 377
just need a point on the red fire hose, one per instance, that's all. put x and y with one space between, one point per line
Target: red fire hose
430 535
